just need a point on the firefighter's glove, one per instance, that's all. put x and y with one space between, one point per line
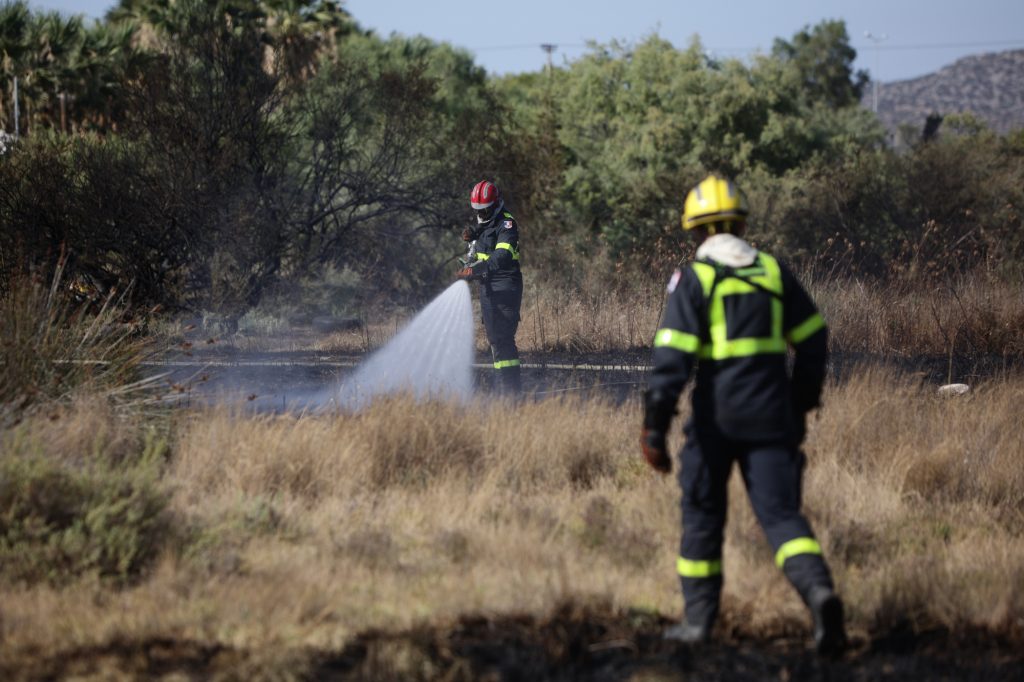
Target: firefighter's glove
659 408
467 235
655 450
471 272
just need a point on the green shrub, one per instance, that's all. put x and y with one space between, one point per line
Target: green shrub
60 519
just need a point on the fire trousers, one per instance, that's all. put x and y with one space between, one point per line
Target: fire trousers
500 312
772 473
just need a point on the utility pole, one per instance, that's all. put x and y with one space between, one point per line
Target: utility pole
874 76
16 110
549 48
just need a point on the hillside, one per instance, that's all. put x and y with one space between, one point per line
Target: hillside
989 85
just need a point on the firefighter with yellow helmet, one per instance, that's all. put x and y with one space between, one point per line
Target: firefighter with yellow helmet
731 316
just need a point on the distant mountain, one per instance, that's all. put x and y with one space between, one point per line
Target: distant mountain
991 86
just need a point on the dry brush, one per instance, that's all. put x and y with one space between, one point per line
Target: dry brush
288 534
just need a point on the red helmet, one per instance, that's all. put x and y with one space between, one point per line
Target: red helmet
485 200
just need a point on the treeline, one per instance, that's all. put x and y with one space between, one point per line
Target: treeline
209 155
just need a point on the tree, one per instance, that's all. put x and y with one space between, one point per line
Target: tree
823 59
14 20
385 156
300 31
206 113
641 123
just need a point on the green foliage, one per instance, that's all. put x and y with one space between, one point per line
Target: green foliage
945 207
262 145
823 60
91 200
65 518
71 75
240 164
639 124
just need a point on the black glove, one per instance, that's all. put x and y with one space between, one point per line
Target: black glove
659 407
652 443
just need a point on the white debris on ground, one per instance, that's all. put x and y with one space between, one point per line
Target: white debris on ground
954 389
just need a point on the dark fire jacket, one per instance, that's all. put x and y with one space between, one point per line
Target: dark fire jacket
735 325
497 243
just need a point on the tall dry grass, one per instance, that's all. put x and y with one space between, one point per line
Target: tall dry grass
54 347
293 534
971 318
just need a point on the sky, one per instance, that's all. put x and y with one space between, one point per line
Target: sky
907 38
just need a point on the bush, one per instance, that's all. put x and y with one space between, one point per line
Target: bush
55 345
942 209
61 519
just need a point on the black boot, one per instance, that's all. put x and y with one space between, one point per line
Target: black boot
688 633
511 382
695 628
829 631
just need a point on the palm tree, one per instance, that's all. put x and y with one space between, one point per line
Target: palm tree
299 31
14 19
52 40
102 65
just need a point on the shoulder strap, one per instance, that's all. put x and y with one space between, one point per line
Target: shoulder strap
723 271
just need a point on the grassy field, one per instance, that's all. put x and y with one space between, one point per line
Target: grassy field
280 539
432 541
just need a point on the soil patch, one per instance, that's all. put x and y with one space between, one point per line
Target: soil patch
572 643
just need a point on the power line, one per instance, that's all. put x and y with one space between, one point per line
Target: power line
912 46
939 46
530 46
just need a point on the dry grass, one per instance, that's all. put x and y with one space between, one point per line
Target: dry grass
553 319
972 318
296 533
53 348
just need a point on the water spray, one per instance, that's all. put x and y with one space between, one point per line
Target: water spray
431 357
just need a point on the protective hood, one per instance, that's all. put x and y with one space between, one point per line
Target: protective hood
727 249
494 213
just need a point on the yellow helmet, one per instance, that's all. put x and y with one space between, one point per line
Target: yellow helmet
714 200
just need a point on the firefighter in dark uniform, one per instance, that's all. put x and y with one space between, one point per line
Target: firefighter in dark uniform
496 250
730 317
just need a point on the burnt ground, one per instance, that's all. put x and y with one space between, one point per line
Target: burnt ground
276 381
572 643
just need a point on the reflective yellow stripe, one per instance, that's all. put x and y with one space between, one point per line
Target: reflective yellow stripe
706 275
722 347
508 247
805 329
794 547
670 338
740 348
689 568
482 256
502 364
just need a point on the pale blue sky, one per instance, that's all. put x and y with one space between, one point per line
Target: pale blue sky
921 36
